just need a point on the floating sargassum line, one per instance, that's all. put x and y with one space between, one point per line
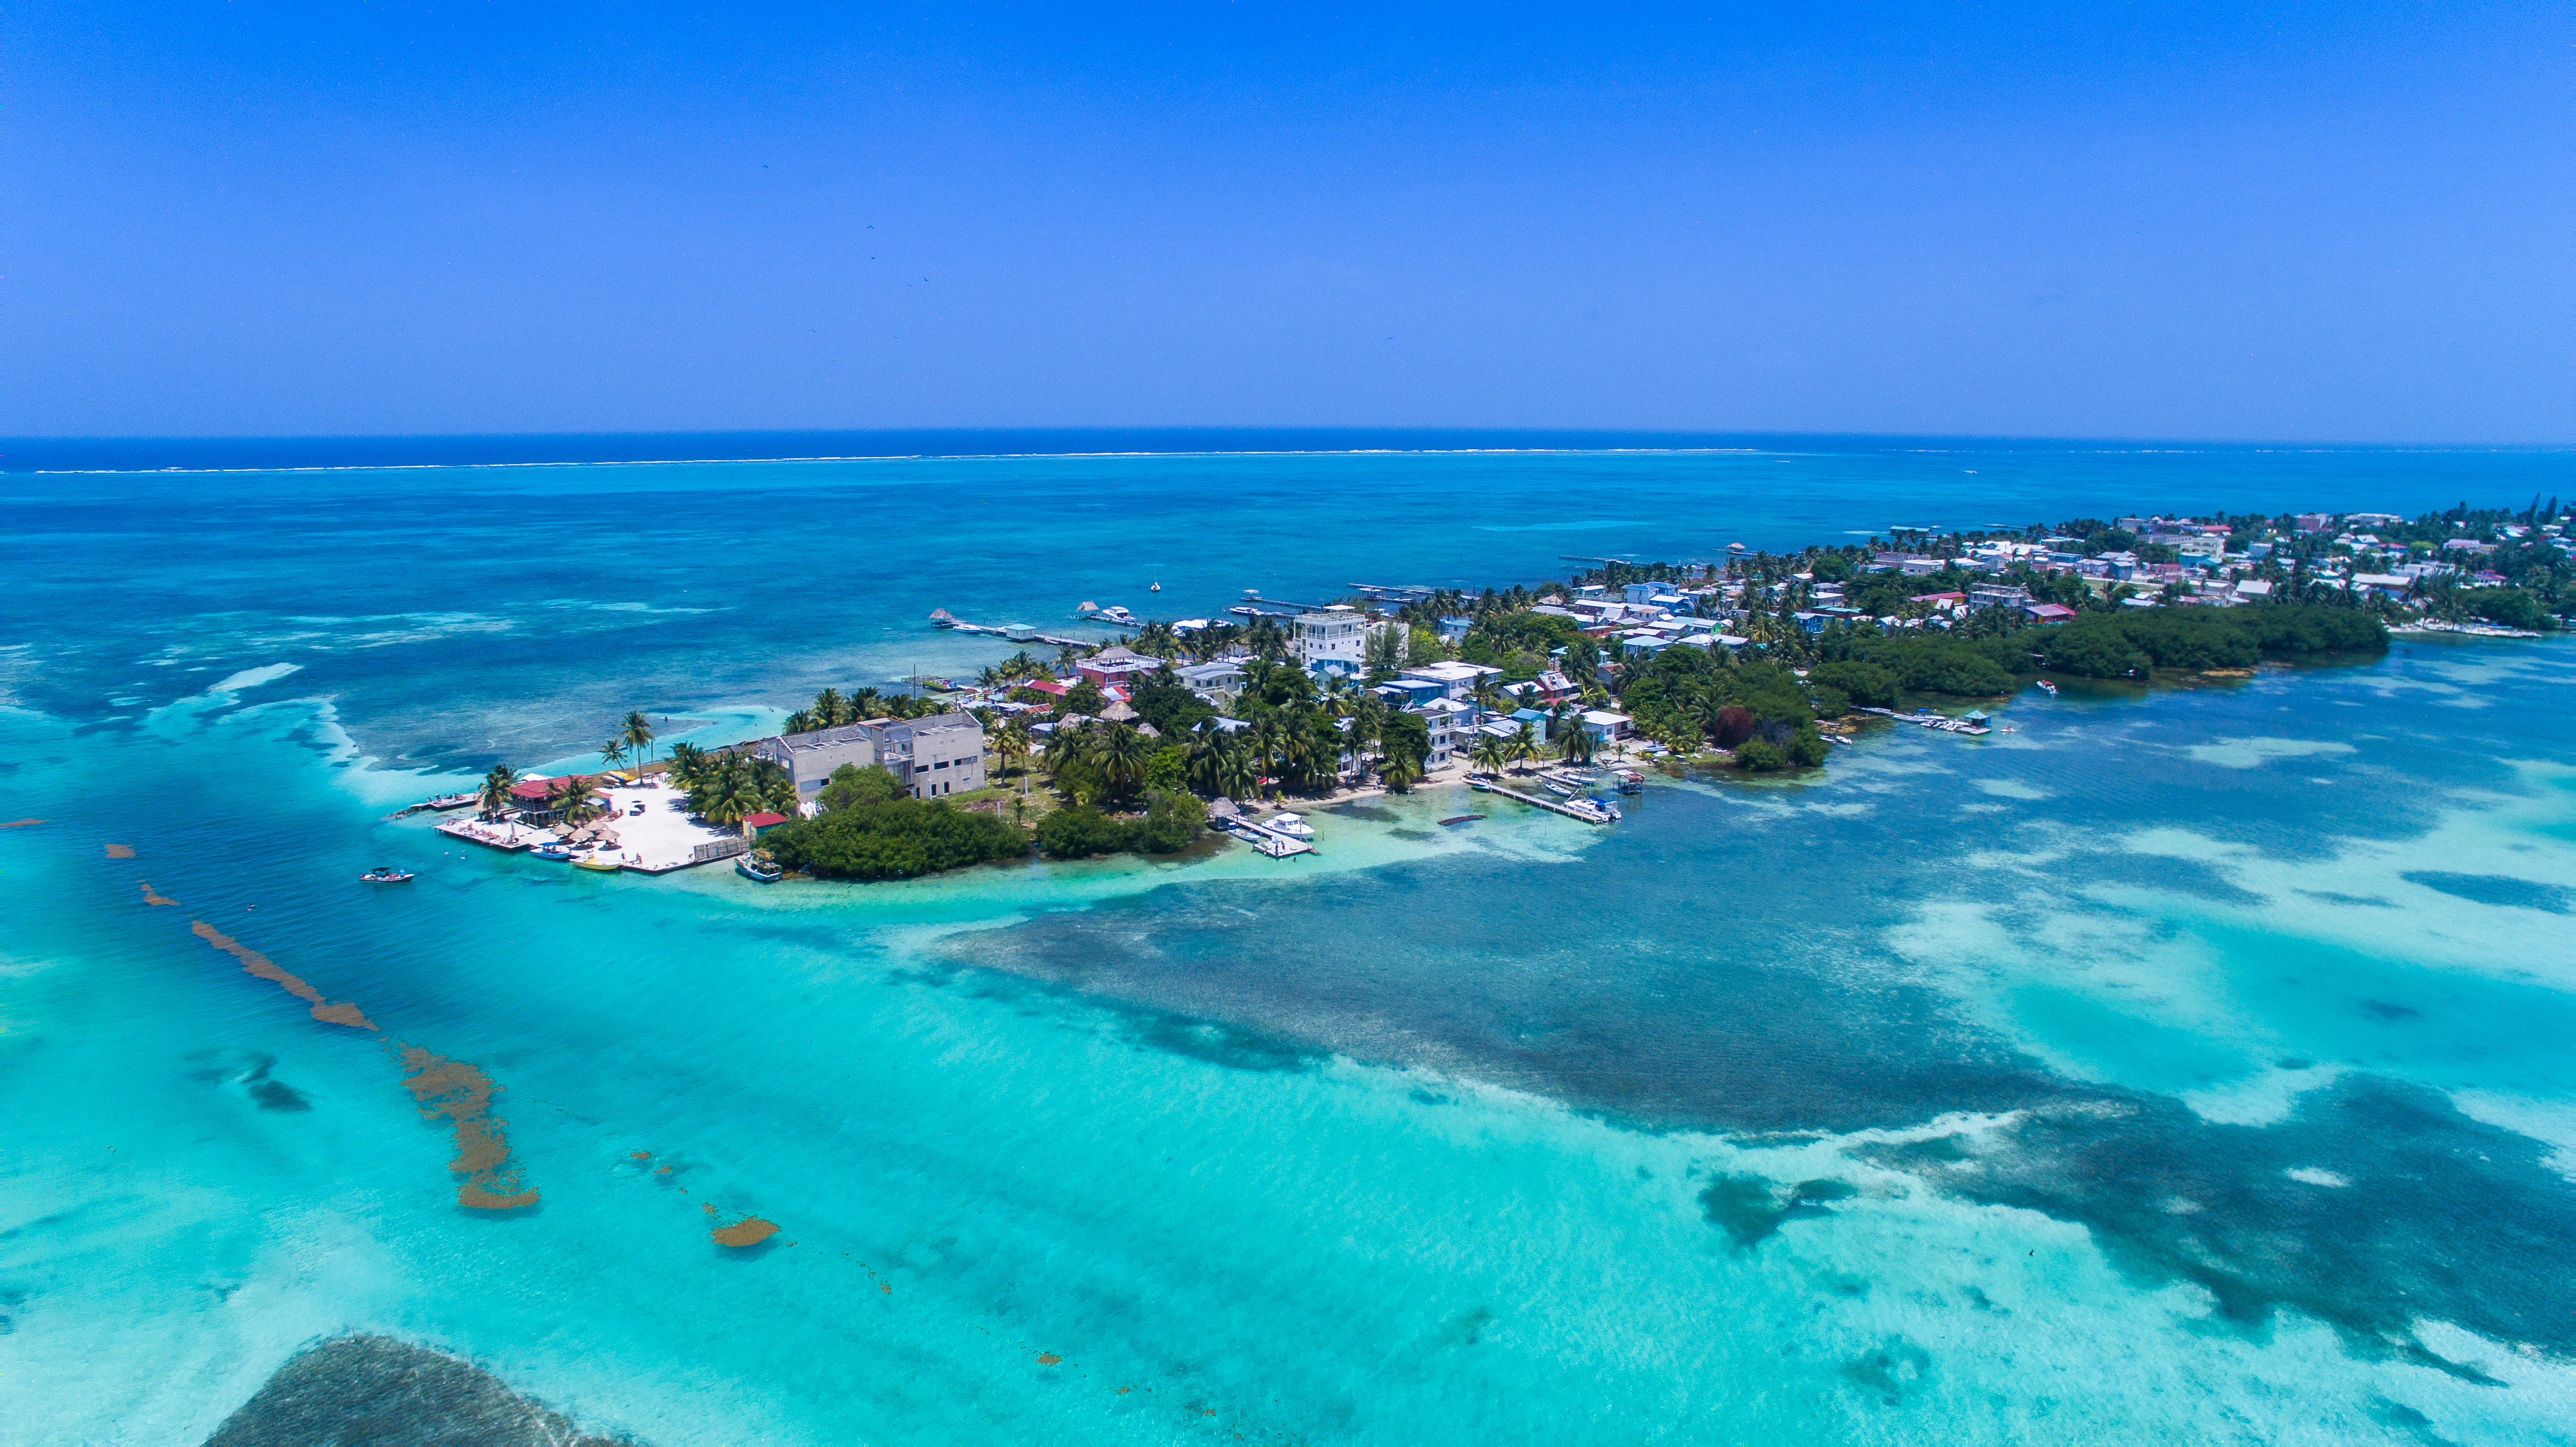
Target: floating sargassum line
463 1095
444 1089
255 963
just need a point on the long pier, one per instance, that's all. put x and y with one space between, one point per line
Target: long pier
1567 810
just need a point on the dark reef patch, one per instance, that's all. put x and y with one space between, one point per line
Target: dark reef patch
1657 1017
1890 1370
2389 1010
2330 897
2436 1202
373 1391
1750 1208
1650 986
271 1094
2497 889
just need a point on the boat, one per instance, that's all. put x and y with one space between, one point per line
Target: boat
1553 787
1292 825
1153 587
385 874
1461 819
604 866
1481 786
2048 688
550 851
752 869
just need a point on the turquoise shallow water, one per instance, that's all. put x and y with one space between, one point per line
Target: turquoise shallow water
2179 1066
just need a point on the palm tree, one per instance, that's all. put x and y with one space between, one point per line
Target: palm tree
638 736
613 753
1236 775
830 709
1123 755
1014 744
1399 771
1488 754
578 799
688 765
496 789
1487 692
1522 748
1576 746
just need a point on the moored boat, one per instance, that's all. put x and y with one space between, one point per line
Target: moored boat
1292 825
604 866
385 874
754 869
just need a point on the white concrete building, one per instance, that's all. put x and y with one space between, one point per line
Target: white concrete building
1340 632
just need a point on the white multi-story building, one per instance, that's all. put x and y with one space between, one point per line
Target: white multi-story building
1340 633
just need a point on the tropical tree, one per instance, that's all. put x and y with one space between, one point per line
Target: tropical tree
1487 692
613 753
577 799
496 789
1400 771
1014 743
1489 753
1576 745
637 734
1123 756
1237 775
830 709
688 763
1523 747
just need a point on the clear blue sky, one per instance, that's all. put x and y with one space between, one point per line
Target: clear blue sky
2319 221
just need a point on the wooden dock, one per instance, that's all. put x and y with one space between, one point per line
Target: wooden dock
1555 805
1269 841
1938 722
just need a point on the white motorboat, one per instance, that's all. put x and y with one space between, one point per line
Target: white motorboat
1292 825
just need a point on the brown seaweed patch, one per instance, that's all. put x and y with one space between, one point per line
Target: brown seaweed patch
255 963
461 1094
120 851
749 1231
154 896
20 823
1048 1359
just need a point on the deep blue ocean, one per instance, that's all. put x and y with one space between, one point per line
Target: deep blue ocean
2185 1065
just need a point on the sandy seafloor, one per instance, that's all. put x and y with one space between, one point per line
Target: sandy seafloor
2187 1065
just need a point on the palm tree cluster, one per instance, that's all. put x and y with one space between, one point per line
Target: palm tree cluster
832 708
724 787
1098 763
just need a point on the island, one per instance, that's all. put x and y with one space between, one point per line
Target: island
1755 663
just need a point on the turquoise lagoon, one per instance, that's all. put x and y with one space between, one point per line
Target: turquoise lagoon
2187 1065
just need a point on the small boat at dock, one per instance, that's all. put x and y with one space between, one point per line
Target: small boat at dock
752 869
604 866
1292 825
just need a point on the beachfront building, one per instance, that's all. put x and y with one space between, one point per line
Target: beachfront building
1116 664
930 757
1340 633
1604 726
1453 679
